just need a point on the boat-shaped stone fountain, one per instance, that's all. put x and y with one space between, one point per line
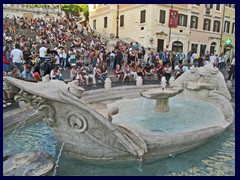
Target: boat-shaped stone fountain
158 127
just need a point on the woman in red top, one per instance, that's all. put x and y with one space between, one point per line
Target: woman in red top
160 71
6 61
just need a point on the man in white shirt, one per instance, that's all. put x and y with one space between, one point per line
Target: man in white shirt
17 56
42 53
194 55
60 53
212 58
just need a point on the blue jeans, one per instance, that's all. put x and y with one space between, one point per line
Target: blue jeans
94 61
60 61
19 66
72 61
42 59
111 63
104 76
64 62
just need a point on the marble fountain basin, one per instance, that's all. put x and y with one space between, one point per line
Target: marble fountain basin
86 124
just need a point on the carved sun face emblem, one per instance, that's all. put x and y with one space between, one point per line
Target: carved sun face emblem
203 74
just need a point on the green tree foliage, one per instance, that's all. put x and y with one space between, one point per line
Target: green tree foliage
75 9
72 8
36 5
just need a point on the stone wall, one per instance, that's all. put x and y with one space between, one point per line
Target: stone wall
25 11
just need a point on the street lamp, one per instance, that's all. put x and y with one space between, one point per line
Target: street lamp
117 21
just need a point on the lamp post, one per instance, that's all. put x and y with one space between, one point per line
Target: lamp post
117 21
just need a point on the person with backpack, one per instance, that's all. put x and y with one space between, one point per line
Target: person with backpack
181 57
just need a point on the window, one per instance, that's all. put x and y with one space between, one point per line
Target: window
228 5
143 16
216 27
194 22
194 48
233 28
94 24
218 7
105 22
213 47
182 20
94 6
197 4
209 6
121 20
162 16
207 24
202 49
226 26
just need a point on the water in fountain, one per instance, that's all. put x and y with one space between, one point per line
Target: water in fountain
20 125
178 119
58 158
140 162
214 158
33 136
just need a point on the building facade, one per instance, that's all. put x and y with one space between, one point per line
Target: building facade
206 28
228 33
146 24
198 28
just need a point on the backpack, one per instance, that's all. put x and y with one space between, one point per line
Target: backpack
96 53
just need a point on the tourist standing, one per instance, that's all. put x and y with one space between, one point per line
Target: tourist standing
112 59
17 57
42 53
6 61
64 60
232 69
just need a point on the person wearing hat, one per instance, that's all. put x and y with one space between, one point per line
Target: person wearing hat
73 71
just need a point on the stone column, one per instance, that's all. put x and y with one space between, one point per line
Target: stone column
171 80
139 81
162 105
108 84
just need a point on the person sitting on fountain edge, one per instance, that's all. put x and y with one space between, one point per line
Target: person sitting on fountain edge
27 75
56 73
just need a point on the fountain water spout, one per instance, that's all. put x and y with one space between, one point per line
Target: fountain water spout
162 96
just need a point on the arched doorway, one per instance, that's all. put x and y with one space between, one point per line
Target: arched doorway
213 47
177 46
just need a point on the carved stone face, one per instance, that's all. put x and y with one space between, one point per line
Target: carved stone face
204 75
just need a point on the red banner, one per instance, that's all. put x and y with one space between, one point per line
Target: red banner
173 18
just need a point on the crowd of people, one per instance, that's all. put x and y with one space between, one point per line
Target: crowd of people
63 43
